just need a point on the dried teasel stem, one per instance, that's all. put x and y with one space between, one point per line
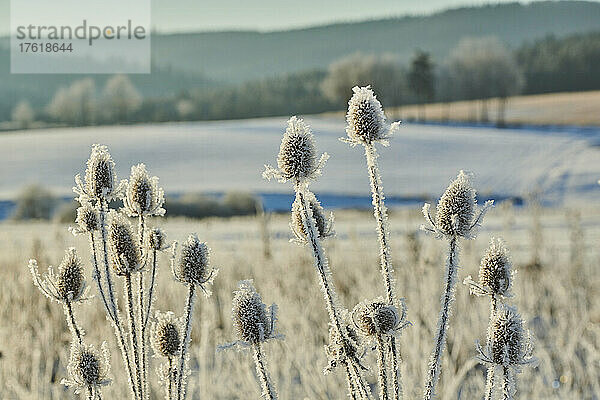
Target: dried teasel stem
326 286
383 384
268 392
142 327
72 323
170 384
97 276
133 332
189 307
442 329
489 384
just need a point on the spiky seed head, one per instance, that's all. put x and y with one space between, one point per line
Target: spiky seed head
70 282
495 268
508 341
88 367
318 214
143 196
157 239
375 317
249 314
365 118
124 249
166 334
87 218
297 157
100 177
456 208
193 264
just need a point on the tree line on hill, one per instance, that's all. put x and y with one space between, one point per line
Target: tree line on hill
478 68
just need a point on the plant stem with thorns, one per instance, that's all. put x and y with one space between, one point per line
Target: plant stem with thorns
186 339
267 389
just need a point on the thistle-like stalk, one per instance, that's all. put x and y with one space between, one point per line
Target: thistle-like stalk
268 391
142 327
253 326
366 126
297 162
181 375
133 332
455 218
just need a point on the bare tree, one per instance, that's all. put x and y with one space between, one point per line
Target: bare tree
120 99
483 68
383 73
23 115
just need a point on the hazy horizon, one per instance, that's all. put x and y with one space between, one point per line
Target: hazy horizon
277 15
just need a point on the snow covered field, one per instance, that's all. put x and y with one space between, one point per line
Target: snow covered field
224 156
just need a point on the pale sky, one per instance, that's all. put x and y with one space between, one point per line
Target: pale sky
265 15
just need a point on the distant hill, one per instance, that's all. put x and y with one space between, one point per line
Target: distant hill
242 56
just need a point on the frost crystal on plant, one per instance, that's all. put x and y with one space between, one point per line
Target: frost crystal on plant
123 244
192 266
68 285
324 225
365 118
495 274
251 320
87 219
166 334
297 159
87 367
100 181
456 211
377 317
157 239
142 194
508 343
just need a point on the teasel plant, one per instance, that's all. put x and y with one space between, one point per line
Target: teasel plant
254 325
165 339
367 126
378 320
297 162
95 192
457 217
88 369
509 347
66 286
191 268
126 260
143 198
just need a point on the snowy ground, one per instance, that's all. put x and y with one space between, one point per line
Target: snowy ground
223 156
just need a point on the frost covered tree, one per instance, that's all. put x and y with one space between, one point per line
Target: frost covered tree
23 115
421 79
382 72
76 104
483 68
120 99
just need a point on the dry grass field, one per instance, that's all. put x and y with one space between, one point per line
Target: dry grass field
558 297
578 108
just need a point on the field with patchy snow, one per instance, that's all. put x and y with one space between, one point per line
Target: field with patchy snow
224 156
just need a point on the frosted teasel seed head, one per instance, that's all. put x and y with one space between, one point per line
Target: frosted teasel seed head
297 159
508 343
100 181
142 194
156 239
166 334
66 285
253 323
377 317
193 265
456 212
323 225
366 120
495 272
87 220
88 367
123 245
